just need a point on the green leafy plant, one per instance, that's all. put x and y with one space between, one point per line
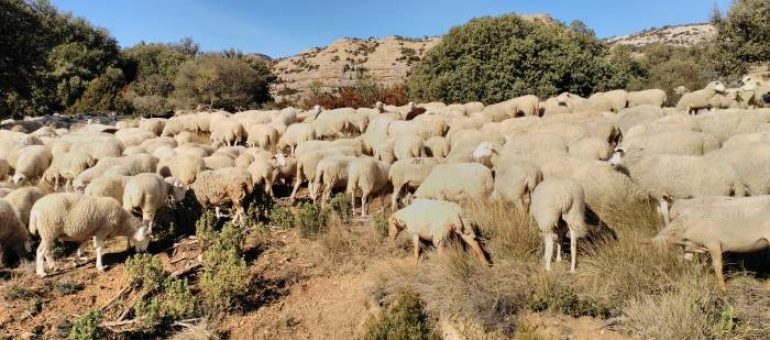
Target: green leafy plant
310 219
145 271
403 319
178 301
86 327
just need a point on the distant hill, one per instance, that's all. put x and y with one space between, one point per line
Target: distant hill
681 35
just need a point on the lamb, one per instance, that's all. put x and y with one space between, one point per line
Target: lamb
370 176
332 172
409 173
13 234
554 200
223 186
653 97
22 200
434 221
515 181
592 148
74 217
698 100
31 164
739 225
148 193
457 182
184 168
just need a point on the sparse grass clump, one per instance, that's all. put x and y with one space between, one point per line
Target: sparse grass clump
404 318
310 219
86 327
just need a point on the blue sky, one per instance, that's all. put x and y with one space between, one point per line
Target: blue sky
285 27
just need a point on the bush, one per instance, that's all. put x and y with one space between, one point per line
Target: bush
178 300
492 59
145 271
743 37
310 219
225 275
341 206
282 217
86 327
403 319
148 313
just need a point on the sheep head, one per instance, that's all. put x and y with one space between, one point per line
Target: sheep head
19 179
618 157
140 238
176 190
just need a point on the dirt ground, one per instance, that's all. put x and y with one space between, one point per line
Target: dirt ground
288 301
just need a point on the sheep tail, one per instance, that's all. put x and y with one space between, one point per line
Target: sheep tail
33 220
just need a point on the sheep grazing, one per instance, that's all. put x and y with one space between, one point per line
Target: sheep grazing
147 193
717 225
13 234
78 218
555 200
652 97
22 200
434 221
331 172
184 168
31 164
457 182
515 181
108 186
215 188
368 175
692 102
409 173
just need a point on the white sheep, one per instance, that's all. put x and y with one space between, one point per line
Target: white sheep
22 200
591 148
698 100
5 169
85 177
409 173
263 172
368 175
31 164
262 135
682 142
653 97
148 193
554 200
78 218
406 146
107 186
183 167
330 172
306 166
134 165
221 187
524 106
295 135
437 147
434 221
153 125
457 182
13 234
515 181
218 161
751 163
226 131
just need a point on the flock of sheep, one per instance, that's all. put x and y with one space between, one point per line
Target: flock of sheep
555 158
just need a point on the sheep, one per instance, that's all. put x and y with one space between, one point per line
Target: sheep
31 164
738 225
369 175
331 172
653 97
698 100
750 162
590 148
436 147
406 146
148 193
85 177
306 166
537 148
333 123
515 181
434 221
133 165
743 139
13 234
153 125
680 176
74 217
184 168
663 124
524 106
187 137
552 107
262 135
263 172
725 124
133 136
75 163
133 150
409 173
218 161
457 182
195 149
214 188
559 199
22 200
637 115
295 135
226 131
107 186
672 143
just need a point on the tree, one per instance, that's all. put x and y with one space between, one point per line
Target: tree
103 93
219 82
496 58
743 37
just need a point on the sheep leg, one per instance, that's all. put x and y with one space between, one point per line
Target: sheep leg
363 204
548 240
353 202
558 238
416 245
715 250
295 189
40 257
99 245
572 250
79 254
394 199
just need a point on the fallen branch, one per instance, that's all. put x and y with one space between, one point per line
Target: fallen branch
185 270
116 297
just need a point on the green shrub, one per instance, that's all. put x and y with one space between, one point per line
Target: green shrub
341 205
148 312
743 37
381 224
492 59
282 217
86 327
204 227
225 275
403 319
178 300
310 219
145 271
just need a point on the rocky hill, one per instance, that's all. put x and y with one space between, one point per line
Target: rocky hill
681 35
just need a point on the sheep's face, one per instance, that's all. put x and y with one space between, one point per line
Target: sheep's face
617 157
19 179
564 98
141 239
717 86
